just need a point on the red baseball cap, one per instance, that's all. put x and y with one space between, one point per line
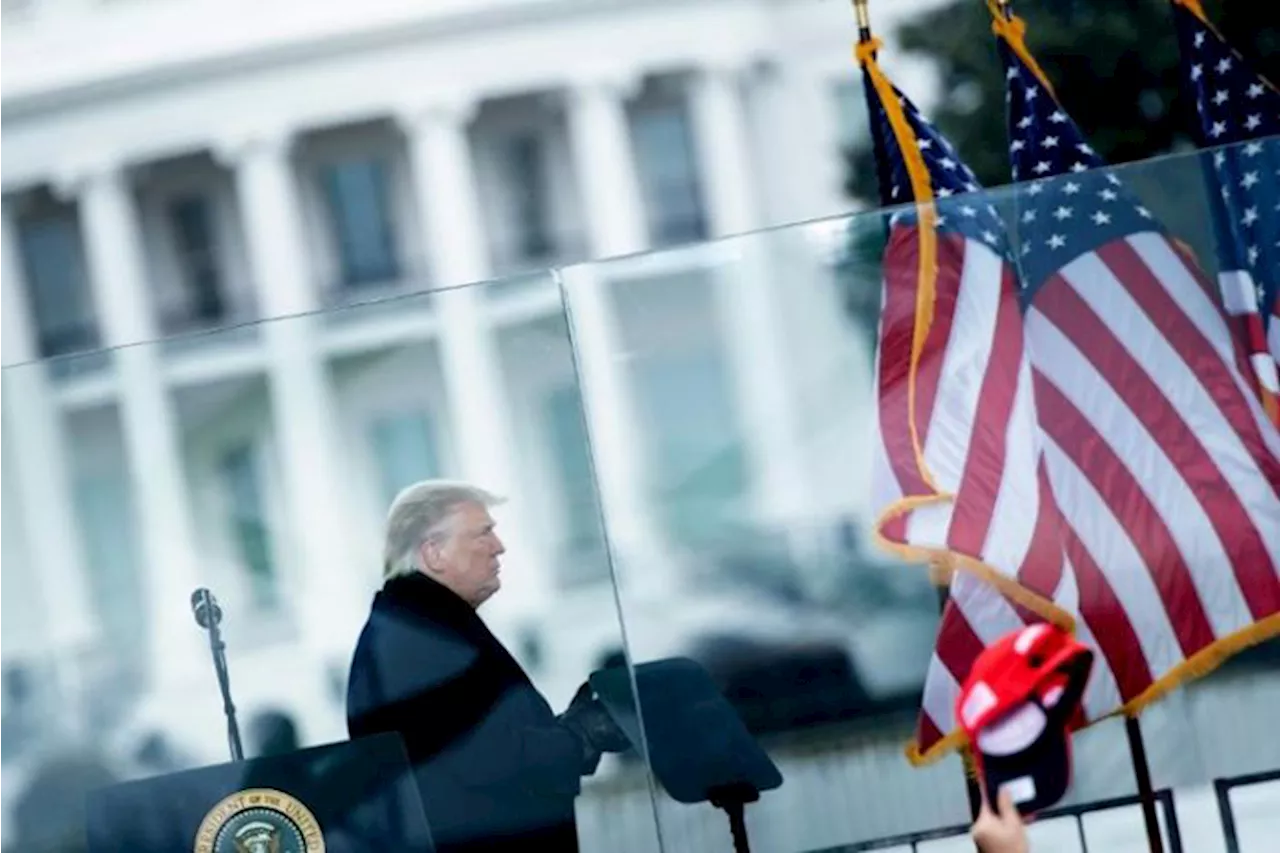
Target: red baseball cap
1016 707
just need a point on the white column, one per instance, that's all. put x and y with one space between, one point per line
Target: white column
151 432
808 136
333 583
605 164
724 155
445 185
615 431
600 135
479 409
748 304
42 478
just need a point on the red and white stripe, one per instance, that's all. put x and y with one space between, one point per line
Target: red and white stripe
1262 347
1162 461
1165 470
974 409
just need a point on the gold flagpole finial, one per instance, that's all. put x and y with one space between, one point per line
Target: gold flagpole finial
863 15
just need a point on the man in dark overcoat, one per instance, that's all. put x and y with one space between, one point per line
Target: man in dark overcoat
496 768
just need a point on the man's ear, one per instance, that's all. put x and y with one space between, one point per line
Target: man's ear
429 554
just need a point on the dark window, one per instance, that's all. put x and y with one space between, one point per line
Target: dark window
530 214
359 203
192 219
669 175
53 258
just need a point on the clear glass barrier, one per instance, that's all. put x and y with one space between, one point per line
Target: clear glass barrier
261 466
731 460
729 392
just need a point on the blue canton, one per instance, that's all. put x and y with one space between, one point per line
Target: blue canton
1239 110
962 204
1070 203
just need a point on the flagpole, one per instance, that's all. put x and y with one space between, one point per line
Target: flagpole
863 16
880 153
1146 793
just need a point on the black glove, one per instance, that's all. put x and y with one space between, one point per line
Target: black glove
597 731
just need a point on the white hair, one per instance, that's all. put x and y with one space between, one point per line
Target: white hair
420 513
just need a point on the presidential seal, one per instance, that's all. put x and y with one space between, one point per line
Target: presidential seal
259 820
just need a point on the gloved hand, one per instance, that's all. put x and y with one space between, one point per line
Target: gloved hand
587 718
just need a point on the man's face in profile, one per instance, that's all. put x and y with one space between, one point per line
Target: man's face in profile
466 560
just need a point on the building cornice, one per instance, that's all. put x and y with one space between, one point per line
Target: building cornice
166 75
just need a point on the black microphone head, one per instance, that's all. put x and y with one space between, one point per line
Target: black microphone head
205 607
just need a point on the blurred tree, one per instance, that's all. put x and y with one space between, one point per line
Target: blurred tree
1254 29
1113 63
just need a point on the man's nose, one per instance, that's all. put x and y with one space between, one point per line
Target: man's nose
498 548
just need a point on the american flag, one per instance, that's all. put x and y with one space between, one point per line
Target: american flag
1157 453
1239 110
966 486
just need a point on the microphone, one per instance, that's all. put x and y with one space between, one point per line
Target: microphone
205 607
208 614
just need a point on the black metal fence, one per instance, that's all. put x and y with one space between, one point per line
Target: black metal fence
1164 800
1222 788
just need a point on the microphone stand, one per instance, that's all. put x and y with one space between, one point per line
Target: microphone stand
218 649
732 800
